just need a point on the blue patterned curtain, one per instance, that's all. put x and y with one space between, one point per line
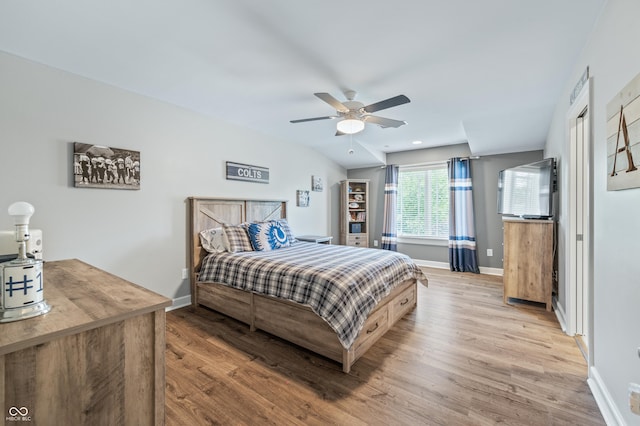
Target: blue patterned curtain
463 256
389 227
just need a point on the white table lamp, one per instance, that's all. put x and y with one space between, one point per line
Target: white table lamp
22 280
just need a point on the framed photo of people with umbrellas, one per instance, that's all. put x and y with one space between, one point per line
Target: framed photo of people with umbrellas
98 166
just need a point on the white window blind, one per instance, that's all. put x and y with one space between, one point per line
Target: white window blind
423 202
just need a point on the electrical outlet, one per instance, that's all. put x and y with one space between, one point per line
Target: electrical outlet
185 273
489 252
375 243
634 398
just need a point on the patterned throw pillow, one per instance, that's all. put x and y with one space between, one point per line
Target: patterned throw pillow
287 229
237 237
213 240
267 236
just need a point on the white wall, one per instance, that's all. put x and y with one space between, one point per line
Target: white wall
613 59
138 235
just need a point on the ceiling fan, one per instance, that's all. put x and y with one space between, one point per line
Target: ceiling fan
353 114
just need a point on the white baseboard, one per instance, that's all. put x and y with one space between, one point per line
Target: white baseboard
560 314
431 264
491 271
180 302
445 265
607 406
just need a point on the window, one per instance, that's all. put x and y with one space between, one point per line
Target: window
423 202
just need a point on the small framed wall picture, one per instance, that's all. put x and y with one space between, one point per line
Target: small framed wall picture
97 166
302 198
316 183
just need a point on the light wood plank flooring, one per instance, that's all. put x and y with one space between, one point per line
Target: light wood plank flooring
461 357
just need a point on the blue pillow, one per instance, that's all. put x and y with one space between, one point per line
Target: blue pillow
286 228
267 236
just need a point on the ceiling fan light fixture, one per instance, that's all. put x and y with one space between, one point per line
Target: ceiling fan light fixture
350 126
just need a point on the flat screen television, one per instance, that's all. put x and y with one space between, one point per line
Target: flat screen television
527 191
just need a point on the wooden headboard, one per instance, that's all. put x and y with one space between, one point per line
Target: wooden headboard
206 213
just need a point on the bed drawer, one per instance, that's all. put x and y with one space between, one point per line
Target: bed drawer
374 327
402 304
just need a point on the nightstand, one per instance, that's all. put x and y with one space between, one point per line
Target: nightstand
318 239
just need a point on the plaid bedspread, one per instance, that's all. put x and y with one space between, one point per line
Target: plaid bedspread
341 284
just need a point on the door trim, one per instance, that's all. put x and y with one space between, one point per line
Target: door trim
582 102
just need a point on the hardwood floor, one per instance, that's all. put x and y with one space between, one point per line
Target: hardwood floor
461 357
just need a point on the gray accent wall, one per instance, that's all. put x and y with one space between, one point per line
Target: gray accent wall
484 171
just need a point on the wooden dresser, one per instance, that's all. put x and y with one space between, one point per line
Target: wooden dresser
97 358
528 260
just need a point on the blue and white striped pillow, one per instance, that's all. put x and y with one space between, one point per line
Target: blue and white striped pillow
267 236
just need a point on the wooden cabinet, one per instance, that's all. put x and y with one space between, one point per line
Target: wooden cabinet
354 212
528 260
97 358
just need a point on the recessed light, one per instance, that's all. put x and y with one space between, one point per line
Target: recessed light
416 142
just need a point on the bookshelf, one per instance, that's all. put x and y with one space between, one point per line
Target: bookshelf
354 212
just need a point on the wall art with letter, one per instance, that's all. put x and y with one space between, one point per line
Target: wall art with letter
623 138
247 172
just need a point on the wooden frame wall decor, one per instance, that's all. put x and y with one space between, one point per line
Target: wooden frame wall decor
316 184
97 166
302 198
623 138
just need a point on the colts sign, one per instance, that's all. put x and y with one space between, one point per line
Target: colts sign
237 171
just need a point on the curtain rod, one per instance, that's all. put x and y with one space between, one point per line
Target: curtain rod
431 163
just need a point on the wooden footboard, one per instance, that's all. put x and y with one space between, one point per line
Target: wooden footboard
300 325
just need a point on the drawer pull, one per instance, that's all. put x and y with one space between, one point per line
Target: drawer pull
404 302
375 327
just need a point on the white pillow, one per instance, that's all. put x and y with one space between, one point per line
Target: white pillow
214 240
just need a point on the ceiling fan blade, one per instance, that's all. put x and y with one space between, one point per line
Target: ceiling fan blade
339 133
383 122
302 120
387 103
332 101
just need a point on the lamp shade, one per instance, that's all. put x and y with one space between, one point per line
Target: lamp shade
350 126
21 212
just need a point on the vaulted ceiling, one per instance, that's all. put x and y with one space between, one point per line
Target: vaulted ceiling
486 72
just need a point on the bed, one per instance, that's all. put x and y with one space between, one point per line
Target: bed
292 318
